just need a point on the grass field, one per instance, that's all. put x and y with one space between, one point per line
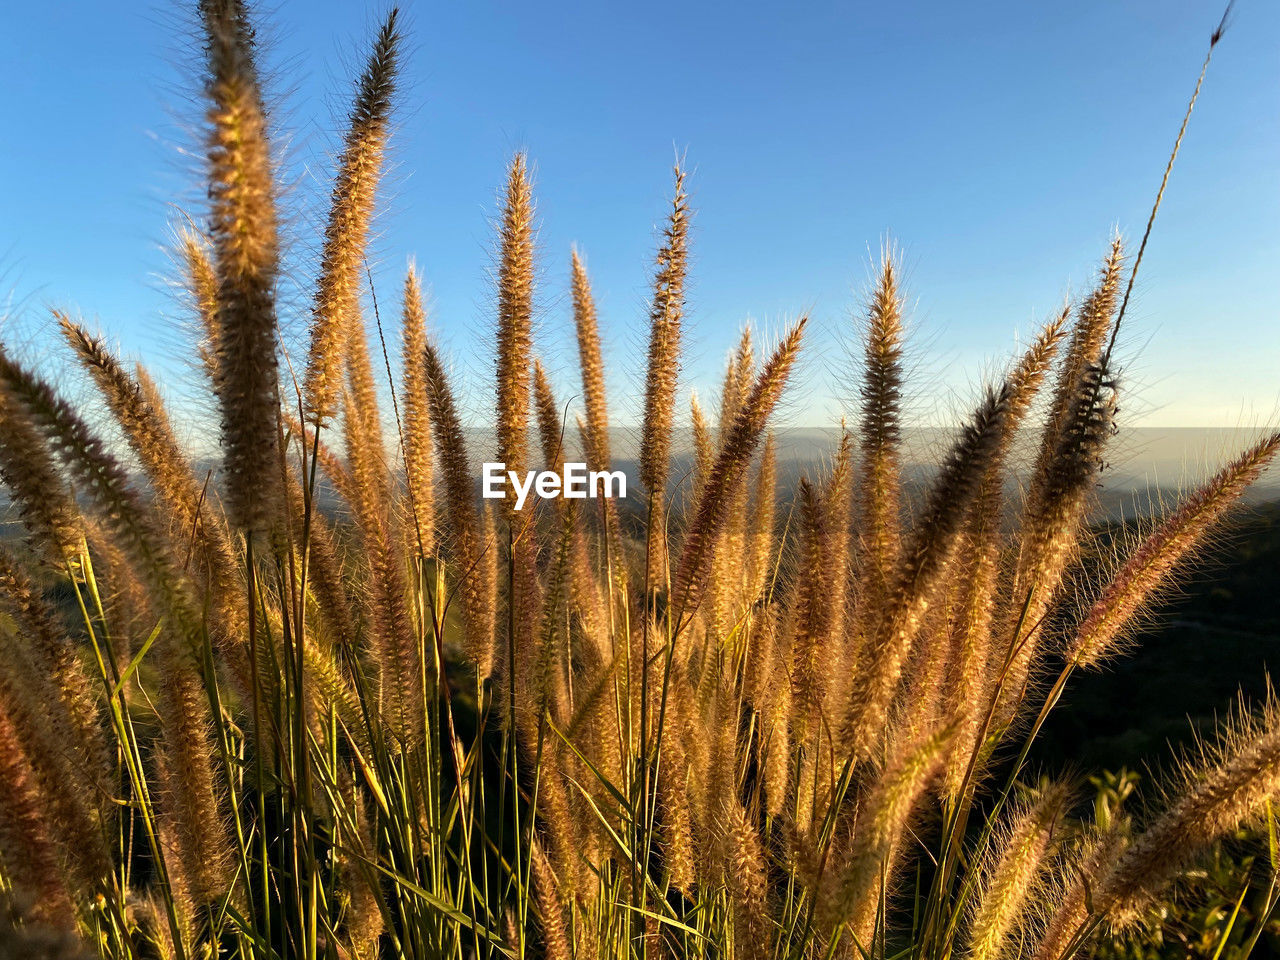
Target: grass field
326 701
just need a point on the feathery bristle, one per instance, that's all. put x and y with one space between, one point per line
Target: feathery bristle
136 526
737 378
727 472
245 255
675 817
1088 337
514 337
811 666
338 343
1074 435
364 919
555 939
347 229
1033 367
550 423
703 449
475 559
183 707
391 640
392 643
1156 559
665 315
540 679
837 511
418 460
135 403
595 428
1069 443
775 714
1050 535
515 319
1073 893
190 802
366 453
879 432
1011 871
969 669
724 606
101 477
592 365
66 773
747 878
760 549
202 289
923 562
882 820
31 856
1227 788
969 676
35 484
56 686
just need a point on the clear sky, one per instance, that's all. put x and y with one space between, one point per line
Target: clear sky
998 145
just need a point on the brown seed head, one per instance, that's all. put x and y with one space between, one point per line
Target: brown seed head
665 315
245 255
727 472
592 363
1155 561
418 457
347 229
515 319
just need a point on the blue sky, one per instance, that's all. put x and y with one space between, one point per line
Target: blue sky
997 145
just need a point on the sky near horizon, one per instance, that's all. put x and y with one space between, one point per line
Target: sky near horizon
996 146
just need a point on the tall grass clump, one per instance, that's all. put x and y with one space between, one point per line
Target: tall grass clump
322 703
